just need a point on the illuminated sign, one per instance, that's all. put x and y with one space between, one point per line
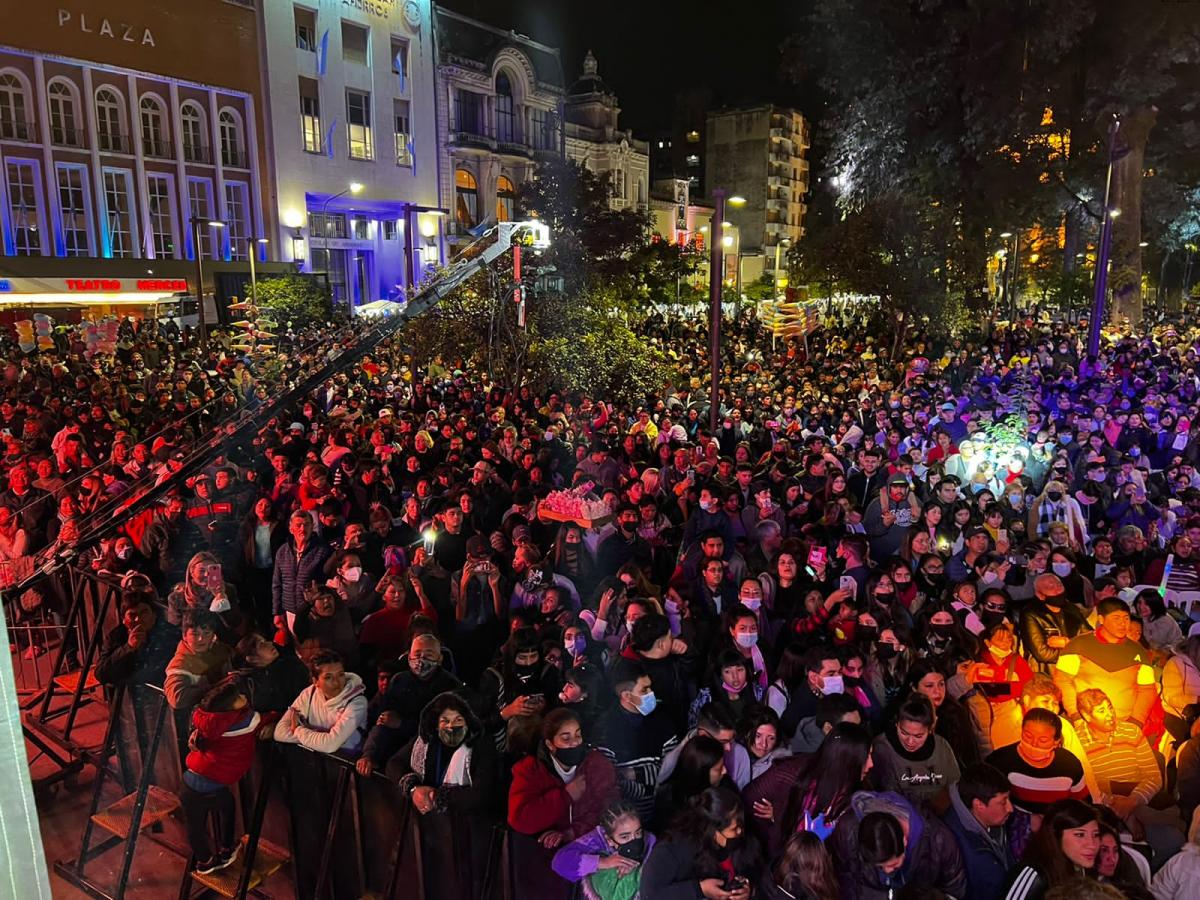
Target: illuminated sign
121 31
93 285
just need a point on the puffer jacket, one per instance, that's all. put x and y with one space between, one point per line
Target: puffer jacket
931 859
225 746
580 858
293 574
538 800
985 859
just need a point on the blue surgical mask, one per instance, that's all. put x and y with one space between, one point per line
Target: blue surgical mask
747 639
577 646
646 703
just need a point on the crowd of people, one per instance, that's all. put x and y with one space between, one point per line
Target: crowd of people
894 628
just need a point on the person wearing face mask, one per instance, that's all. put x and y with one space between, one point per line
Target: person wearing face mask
944 638
517 691
823 676
1063 563
741 632
635 735
352 588
1056 505
558 794
608 860
730 684
1038 768
1049 622
407 695
585 692
448 771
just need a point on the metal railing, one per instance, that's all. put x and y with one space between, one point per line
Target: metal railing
111 142
18 130
159 149
196 153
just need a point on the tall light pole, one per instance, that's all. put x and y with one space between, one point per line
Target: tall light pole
202 330
779 244
1101 284
353 188
253 251
716 279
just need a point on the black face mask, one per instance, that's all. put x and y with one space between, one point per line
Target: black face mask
570 757
932 582
942 630
524 673
992 618
885 598
634 849
1054 496
885 652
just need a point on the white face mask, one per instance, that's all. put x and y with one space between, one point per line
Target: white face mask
751 603
832 684
1061 569
989 577
352 574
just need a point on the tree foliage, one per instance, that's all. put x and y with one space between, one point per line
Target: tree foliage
299 299
996 112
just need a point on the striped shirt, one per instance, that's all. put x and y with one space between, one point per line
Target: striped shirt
1034 789
1123 758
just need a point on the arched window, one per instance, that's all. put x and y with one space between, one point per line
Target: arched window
195 133
64 110
466 199
232 145
14 124
506 110
506 198
109 119
155 141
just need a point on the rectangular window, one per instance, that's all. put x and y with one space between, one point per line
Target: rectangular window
23 205
73 205
361 229
160 194
200 206
237 218
118 206
389 229
310 115
355 43
542 139
306 29
328 225
358 125
403 136
470 112
400 61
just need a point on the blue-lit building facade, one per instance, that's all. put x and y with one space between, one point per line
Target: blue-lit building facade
350 86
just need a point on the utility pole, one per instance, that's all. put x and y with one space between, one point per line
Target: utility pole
1106 226
716 278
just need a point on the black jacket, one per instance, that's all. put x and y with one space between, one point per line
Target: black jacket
1038 623
408 696
121 664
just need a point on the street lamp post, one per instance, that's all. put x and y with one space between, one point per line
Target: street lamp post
253 250
201 328
354 188
1106 226
716 279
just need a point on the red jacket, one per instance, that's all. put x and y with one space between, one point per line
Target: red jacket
538 800
226 746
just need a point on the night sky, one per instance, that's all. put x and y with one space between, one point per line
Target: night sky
650 49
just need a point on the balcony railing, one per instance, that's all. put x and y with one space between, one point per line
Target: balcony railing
196 153
233 158
514 148
18 130
157 149
472 138
112 142
66 136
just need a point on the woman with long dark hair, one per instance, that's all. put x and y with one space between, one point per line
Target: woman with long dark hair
558 794
803 871
701 765
812 791
952 720
1063 849
704 853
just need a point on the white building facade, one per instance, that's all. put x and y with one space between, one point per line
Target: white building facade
594 140
350 85
499 98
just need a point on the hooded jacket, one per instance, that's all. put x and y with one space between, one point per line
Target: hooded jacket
422 763
931 856
986 859
190 673
326 725
225 749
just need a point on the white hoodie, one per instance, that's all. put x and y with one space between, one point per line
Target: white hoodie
326 725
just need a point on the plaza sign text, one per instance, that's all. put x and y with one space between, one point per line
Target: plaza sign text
121 31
